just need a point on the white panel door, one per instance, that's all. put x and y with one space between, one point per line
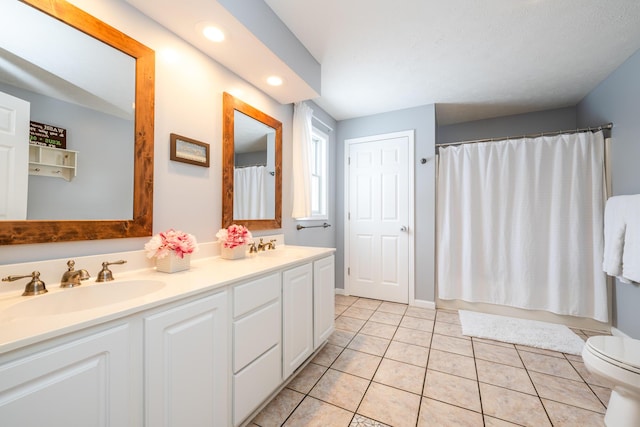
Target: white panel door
14 156
378 218
187 365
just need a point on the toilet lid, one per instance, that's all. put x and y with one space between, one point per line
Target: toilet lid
623 351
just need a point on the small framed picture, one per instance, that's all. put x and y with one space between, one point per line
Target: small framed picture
189 150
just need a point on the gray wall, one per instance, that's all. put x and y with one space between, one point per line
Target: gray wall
516 125
422 119
617 100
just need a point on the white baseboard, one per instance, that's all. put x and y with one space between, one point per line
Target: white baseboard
618 333
423 304
415 303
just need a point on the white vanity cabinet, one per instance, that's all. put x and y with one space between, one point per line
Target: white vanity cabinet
186 364
81 380
279 321
257 348
208 356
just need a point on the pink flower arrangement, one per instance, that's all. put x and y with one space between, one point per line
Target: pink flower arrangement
169 241
233 236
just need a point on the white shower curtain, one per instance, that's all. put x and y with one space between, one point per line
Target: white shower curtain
520 223
249 201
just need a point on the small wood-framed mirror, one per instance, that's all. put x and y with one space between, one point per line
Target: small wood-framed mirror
251 166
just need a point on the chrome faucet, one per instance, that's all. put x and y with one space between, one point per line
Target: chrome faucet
72 277
35 285
105 275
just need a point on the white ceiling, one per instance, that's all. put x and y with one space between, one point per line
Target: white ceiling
242 52
481 58
475 59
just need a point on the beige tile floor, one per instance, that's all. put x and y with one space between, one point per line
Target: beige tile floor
389 364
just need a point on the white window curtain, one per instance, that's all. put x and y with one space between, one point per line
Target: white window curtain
249 200
520 223
301 179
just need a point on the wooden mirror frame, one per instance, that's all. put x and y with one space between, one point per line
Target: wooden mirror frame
19 232
230 104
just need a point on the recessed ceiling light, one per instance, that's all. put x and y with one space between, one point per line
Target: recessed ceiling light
213 33
274 80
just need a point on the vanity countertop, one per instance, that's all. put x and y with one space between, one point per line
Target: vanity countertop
205 274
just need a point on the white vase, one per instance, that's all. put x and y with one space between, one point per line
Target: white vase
233 253
172 263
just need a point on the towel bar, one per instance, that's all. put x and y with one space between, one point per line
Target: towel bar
301 227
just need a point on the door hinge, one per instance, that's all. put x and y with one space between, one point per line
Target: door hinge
349 216
348 271
349 161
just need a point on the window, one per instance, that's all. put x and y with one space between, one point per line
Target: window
318 170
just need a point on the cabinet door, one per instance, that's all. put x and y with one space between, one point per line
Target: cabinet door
84 382
187 367
297 317
323 300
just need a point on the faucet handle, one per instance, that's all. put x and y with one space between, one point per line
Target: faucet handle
35 285
70 264
273 243
252 248
105 275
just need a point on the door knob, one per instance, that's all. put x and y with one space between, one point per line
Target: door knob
403 228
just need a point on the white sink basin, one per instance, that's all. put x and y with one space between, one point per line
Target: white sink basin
72 300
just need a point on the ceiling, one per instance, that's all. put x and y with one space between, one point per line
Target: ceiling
475 59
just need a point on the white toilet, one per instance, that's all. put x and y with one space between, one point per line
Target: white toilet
617 360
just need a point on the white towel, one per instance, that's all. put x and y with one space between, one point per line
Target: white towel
622 238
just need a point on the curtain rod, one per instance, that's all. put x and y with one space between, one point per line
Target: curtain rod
322 123
607 126
250 166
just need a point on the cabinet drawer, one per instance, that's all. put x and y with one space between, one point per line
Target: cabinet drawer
255 334
255 293
254 384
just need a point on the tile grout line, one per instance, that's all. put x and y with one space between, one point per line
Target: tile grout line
475 365
605 405
426 369
534 386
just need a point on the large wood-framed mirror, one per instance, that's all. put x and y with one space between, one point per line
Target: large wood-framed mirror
137 222
251 166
